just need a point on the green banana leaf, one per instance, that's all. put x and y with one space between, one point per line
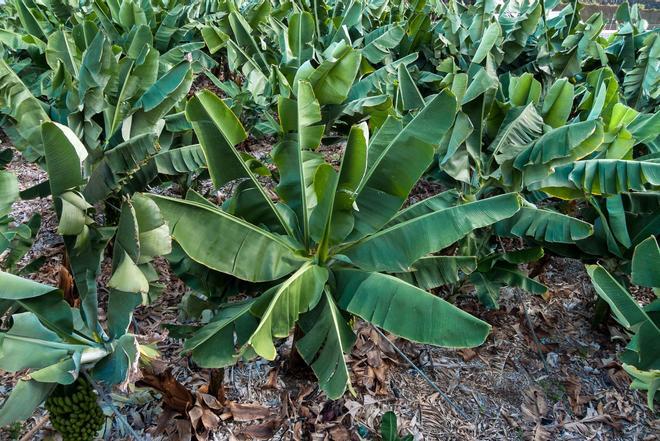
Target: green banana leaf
600 177
8 192
558 103
645 264
242 249
545 226
213 345
380 43
434 271
281 306
397 156
24 114
407 311
218 131
25 397
326 341
395 248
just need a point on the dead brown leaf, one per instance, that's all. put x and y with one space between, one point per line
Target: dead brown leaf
534 406
618 376
374 359
164 420
541 433
183 430
248 412
575 397
305 392
175 395
339 433
468 354
271 381
209 401
209 419
202 420
65 283
265 430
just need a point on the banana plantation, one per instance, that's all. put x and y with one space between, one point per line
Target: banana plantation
328 220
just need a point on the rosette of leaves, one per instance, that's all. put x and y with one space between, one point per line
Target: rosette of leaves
54 340
47 335
327 247
139 235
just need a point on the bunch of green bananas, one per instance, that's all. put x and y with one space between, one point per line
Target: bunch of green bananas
74 411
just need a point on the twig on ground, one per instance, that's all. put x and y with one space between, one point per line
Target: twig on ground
537 342
30 435
424 376
564 398
506 358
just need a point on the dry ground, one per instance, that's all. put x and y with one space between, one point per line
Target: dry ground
569 387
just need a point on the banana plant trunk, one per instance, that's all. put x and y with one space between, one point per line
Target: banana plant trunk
296 362
217 384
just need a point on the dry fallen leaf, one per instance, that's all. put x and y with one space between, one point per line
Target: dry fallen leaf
265 430
339 433
468 354
183 430
175 395
248 412
353 407
271 381
203 420
541 433
209 401
210 420
575 397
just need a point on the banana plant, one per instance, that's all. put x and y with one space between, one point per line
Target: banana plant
138 235
640 358
130 93
50 337
328 245
140 140
267 54
116 74
57 343
45 337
